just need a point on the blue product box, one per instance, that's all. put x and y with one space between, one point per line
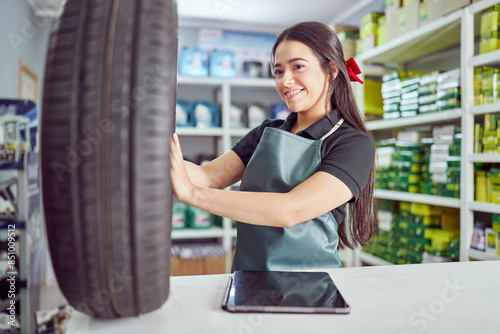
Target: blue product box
184 113
206 114
222 64
193 62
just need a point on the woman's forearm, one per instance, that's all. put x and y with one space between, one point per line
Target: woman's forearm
256 208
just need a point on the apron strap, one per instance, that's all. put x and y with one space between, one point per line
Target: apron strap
339 123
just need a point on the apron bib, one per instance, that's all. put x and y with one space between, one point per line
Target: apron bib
281 161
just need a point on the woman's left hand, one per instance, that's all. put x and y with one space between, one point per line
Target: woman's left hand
181 183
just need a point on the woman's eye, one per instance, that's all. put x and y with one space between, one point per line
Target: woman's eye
278 72
298 67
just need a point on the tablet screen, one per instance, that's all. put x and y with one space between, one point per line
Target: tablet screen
282 291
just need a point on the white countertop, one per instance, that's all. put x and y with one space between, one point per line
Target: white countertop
442 298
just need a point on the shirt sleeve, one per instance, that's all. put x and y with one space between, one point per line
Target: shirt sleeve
350 159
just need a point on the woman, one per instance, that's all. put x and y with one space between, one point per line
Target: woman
297 174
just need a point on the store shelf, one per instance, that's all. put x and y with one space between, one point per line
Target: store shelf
418 198
477 7
436 117
373 260
433 37
239 132
240 82
478 255
214 232
485 207
486 59
485 109
485 157
200 132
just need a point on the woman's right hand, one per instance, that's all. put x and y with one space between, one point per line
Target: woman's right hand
182 186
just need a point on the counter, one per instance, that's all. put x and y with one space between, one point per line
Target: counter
440 298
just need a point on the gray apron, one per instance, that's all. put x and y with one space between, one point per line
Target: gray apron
281 161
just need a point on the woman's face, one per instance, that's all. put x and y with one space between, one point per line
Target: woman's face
300 79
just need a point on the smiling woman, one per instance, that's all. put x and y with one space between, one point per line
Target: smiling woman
299 174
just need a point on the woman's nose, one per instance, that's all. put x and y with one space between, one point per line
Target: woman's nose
288 79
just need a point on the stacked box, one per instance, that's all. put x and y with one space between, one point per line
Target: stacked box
481 183
495 185
385 150
381 31
416 229
427 93
368 31
489 31
391 94
409 96
490 85
348 41
445 161
487 135
405 172
478 84
448 90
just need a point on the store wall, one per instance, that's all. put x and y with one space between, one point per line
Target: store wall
24 37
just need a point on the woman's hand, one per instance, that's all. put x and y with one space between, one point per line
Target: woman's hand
181 183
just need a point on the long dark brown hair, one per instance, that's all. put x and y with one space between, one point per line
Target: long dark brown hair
323 41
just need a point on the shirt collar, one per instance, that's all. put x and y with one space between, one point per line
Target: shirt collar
314 131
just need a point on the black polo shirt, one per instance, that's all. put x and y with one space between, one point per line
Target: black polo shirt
346 154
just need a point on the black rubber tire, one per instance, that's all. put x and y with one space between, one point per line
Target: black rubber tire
108 114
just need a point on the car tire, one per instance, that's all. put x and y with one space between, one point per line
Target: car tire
107 118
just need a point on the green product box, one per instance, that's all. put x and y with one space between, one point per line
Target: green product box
495 175
200 219
371 17
495 223
412 229
478 83
428 108
478 137
409 256
490 19
488 42
490 123
430 88
404 206
451 103
180 215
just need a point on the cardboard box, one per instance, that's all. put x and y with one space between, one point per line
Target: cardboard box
392 24
430 10
409 17
452 5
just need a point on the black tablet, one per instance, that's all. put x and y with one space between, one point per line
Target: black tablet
283 292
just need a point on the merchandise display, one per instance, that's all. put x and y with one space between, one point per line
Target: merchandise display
490 25
200 114
416 164
193 61
221 64
415 233
409 94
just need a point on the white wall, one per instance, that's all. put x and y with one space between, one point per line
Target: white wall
24 36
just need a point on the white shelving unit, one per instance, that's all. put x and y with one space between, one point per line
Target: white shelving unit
222 89
457 28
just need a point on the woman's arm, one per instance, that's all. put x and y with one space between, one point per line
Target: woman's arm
219 173
319 194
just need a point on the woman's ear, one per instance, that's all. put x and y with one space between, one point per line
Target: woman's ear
335 69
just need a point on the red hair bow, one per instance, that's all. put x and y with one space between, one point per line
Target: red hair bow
353 70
